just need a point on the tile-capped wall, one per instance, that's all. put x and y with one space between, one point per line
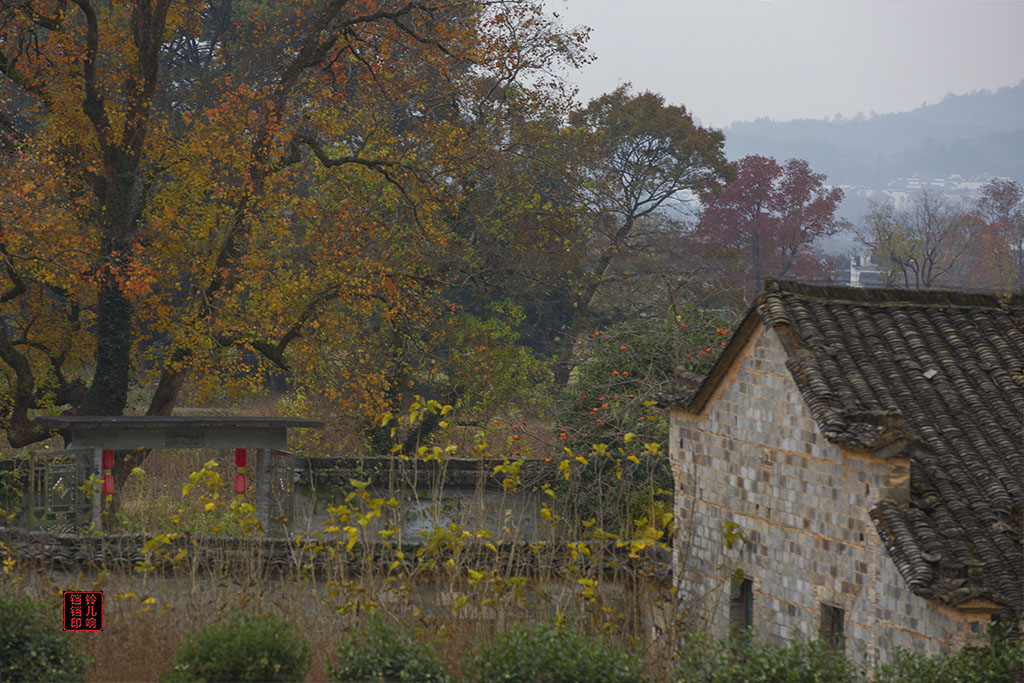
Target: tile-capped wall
802 533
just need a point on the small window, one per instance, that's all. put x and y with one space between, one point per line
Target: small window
831 631
741 605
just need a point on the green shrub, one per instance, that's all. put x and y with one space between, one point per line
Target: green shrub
32 645
739 658
243 648
380 651
552 654
993 662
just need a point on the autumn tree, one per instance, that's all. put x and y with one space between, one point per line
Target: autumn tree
193 190
521 224
923 246
1001 207
641 158
772 213
651 157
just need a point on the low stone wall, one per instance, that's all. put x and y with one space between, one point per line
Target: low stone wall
380 472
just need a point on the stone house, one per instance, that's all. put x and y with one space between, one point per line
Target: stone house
852 468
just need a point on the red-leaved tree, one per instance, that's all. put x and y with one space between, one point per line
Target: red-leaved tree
772 213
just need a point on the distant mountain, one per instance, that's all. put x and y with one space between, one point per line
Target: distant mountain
977 135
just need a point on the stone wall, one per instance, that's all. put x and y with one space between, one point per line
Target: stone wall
756 458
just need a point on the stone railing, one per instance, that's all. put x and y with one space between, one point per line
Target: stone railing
459 472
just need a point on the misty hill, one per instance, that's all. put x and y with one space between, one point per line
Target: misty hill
980 134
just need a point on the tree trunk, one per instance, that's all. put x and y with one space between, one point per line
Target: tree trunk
108 393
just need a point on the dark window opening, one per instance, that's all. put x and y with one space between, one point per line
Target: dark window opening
741 605
831 631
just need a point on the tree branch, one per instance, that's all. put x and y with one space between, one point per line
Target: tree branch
17 287
93 105
274 352
381 167
21 430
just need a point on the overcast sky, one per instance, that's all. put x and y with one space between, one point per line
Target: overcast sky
730 60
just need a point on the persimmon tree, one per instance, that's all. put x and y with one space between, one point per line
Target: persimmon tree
772 213
197 193
623 372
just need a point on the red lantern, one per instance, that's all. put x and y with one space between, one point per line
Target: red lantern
108 484
239 484
108 460
240 457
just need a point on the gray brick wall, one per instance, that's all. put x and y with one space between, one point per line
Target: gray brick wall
756 458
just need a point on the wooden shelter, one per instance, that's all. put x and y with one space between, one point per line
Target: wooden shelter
94 440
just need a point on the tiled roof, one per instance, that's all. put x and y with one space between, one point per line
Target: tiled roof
939 375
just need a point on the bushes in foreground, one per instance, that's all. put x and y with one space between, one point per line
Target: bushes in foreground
550 653
1001 660
248 648
243 648
32 645
382 652
545 652
739 659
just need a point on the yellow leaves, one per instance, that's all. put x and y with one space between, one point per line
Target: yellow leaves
588 589
353 536
578 549
563 467
511 470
